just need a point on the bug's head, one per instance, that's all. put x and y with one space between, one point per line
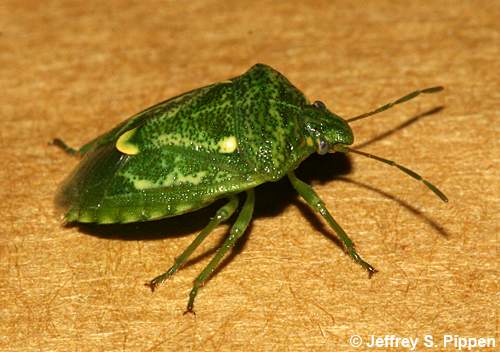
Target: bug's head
331 133
325 128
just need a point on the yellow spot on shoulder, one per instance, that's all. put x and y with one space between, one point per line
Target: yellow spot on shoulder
123 144
228 144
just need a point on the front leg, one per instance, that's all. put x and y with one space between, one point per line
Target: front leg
315 202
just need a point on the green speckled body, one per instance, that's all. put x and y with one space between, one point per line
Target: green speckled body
195 148
210 143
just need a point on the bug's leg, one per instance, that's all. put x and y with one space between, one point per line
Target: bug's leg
315 202
236 232
221 215
61 144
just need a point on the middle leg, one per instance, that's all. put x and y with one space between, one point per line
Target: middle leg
236 232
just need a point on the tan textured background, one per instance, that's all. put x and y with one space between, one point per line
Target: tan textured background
75 69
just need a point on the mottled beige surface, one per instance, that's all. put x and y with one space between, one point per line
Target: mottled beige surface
75 68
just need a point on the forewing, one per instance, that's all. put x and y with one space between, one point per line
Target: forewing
110 186
167 108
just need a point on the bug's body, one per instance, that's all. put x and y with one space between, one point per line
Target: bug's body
211 143
190 150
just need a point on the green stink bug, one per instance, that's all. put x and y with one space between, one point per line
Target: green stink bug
211 143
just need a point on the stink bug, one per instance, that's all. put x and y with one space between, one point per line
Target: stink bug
210 143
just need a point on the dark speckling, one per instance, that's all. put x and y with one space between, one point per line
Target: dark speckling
181 165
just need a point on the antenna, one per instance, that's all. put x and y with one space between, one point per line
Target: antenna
398 101
343 149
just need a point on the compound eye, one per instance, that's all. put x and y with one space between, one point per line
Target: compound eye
319 104
323 147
